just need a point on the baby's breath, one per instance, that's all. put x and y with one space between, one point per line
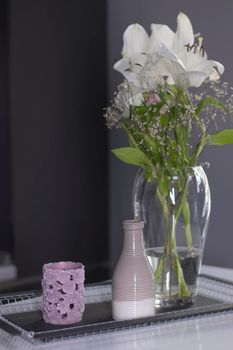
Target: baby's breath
169 123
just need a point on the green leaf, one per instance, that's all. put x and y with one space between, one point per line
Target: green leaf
134 134
182 134
151 144
149 175
133 156
209 100
164 119
142 109
173 88
221 138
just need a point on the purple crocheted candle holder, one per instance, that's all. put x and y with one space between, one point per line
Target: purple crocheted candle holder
63 292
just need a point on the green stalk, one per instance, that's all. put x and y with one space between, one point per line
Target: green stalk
182 287
159 271
199 149
186 216
164 205
132 142
170 249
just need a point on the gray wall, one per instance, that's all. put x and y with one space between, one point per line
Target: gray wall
58 139
6 232
214 20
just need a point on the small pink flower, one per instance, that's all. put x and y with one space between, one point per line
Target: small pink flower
152 98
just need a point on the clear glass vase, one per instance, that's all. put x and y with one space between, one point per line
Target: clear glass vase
176 223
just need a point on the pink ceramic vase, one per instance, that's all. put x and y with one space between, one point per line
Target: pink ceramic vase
63 292
132 282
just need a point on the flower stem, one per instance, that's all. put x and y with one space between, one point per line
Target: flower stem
170 248
186 216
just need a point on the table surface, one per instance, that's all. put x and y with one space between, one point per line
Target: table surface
206 333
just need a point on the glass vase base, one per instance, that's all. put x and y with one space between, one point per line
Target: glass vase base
173 302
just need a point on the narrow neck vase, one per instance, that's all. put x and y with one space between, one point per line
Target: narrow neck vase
132 282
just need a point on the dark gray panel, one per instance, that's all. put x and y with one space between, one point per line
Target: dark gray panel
57 92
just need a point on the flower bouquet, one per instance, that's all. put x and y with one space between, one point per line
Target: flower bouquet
168 125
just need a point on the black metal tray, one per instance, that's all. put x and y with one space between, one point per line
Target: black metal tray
20 313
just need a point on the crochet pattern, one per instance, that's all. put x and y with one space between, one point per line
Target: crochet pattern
63 292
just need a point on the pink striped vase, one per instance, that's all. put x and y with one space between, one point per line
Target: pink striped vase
132 282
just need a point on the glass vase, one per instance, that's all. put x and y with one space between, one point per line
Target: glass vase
176 223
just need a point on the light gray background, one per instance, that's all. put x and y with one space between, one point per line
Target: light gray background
214 19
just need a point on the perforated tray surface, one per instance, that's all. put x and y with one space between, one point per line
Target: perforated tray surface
20 313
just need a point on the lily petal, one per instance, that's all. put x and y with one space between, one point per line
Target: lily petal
135 41
193 58
153 74
195 78
176 73
136 100
160 34
125 68
214 75
122 65
139 61
182 77
171 55
211 64
184 33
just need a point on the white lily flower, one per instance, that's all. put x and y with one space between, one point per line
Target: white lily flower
136 65
175 57
134 53
135 41
184 63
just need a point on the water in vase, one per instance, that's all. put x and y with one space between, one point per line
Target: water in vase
166 290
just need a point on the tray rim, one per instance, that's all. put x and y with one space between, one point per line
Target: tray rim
92 329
